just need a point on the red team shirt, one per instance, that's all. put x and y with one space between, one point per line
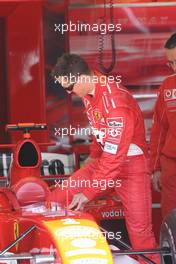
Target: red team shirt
118 127
163 134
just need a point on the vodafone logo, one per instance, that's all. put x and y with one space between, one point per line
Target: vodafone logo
113 213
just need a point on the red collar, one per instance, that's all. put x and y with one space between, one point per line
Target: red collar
98 88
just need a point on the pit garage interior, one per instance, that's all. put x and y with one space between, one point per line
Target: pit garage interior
42 142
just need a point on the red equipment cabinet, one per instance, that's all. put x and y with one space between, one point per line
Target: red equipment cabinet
24 98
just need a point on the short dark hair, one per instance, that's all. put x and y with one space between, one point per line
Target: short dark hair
70 64
171 42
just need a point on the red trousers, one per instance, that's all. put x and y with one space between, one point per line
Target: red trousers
135 194
168 183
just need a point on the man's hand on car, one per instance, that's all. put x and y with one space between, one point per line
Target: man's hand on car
78 202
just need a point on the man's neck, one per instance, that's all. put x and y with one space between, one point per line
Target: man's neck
92 91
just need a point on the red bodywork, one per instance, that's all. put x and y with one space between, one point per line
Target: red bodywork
13 222
23 206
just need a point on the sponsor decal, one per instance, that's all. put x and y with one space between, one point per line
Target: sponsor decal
83 242
113 214
115 122
89 261
174 93
115 133
70 221
169 94
16 233
110 148
99 135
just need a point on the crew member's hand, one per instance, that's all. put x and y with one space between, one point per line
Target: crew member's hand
156 180
78 202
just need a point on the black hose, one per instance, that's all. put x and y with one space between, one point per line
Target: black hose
104 69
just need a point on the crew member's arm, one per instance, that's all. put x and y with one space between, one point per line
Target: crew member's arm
158 133
118 139
157 140
95 152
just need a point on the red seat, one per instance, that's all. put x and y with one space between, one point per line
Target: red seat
31 190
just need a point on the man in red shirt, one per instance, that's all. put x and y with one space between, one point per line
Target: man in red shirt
163 135
118 153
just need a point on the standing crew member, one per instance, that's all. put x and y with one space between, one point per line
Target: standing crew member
163 135
118 153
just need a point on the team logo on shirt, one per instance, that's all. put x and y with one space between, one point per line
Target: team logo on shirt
97 115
